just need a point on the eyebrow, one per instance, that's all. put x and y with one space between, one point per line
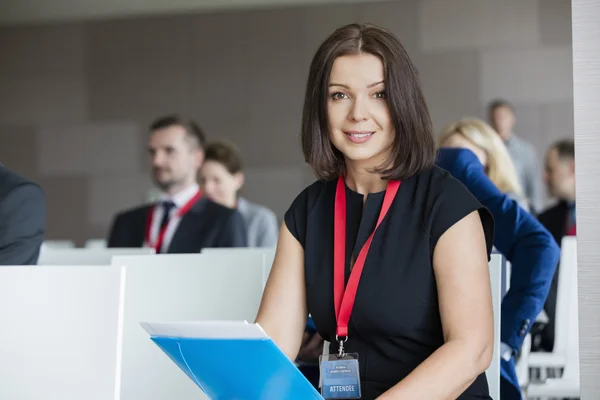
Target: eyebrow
348 87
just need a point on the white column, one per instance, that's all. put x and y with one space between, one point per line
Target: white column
586 71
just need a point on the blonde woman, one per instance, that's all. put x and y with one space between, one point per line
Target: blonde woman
479 137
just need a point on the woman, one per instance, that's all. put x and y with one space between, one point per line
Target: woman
528 246
419 315
221 177
477 136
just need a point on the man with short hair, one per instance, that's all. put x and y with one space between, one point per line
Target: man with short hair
22 219
183 221
522 153
559 219
559 177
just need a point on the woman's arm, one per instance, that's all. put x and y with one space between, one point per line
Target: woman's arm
282 312
460 265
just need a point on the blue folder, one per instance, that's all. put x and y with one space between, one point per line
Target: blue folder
310 325
228 365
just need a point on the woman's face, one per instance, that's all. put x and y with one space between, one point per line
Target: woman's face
459 141
218 184
360 125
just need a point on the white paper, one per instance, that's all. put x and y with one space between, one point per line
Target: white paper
205 330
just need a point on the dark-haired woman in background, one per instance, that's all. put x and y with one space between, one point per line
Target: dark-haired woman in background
221 178
388 252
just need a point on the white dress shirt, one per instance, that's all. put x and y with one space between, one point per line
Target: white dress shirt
179 199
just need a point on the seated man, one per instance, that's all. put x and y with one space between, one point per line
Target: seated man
185 220
528 246
22 219
560 220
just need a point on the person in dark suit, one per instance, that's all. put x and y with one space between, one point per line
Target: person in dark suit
184 221
525 243
22 219
559 219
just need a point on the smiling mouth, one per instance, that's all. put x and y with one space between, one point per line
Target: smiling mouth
359 136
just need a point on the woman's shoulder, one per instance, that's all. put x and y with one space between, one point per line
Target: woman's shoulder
444 200
436 191
435 181
317 194
313 194
318 186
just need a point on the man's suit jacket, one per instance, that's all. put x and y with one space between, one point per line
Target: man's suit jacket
554 219
524 242
22 219
206 224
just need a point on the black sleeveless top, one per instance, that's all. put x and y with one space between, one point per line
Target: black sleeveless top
395 323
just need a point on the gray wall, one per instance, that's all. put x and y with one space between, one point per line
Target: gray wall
75 98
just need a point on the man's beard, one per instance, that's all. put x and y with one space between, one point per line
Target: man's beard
166 184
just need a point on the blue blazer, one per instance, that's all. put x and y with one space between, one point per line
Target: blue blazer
524 242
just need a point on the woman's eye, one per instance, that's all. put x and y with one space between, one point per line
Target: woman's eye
338 96
380 95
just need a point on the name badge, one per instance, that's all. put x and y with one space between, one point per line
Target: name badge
340 377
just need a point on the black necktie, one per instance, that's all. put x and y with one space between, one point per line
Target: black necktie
167 207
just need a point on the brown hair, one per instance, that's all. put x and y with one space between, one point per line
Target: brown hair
499 103
192 129
226 153
565 149
413 149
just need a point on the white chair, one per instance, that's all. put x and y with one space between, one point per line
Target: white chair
507 273
50 256
59 332
58 244
267 254
565 355
493 372
522 366
179 287
73 332
95 244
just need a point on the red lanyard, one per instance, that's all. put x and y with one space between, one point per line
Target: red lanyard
344 299
161 235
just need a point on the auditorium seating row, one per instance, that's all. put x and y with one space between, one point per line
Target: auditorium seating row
71 325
